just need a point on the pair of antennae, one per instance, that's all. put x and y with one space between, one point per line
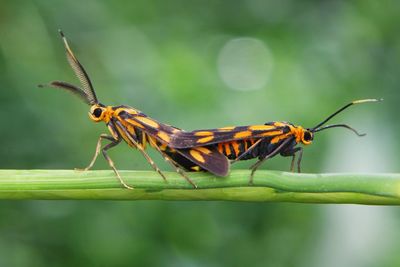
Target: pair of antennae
89 96
318 128
87 93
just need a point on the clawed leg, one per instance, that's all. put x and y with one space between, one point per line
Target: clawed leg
111 163
178 169
292 153
292 163
176 166
98 148
253 168
270 155
299 159
172 163
152 163
113 143
141 149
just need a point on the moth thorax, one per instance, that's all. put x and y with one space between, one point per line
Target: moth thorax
302 135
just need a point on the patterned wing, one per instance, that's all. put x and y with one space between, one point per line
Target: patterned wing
208 159
182 139
131 117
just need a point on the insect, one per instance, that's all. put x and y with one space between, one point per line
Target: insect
259 141
137 130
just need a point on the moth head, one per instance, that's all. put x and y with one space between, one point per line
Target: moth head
306 137
98 113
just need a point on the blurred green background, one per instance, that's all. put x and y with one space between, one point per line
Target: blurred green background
200 64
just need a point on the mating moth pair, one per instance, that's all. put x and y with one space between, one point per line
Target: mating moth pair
211 150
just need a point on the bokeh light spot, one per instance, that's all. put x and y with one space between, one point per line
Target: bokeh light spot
245 64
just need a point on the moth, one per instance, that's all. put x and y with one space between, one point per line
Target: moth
128 124
259 141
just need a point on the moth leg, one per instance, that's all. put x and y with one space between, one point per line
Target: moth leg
299 159
150 161
175 165
270 155
292 163
111 163
141 149
98 148
292 153
255 166
113 143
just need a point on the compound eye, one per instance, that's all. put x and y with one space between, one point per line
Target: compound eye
307 136
97 112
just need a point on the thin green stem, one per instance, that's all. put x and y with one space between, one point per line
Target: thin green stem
272 186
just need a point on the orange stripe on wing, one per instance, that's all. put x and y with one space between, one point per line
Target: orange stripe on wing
242 134
226 129
280 137
164 136
197 155
205 139
203 150
261 127
272 133
280 124
148 122
203 133
134 123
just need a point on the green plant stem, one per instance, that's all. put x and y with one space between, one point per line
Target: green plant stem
269 186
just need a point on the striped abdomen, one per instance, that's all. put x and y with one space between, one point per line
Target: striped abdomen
232 150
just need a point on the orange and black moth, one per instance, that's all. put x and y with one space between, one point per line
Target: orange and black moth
258 141
137 130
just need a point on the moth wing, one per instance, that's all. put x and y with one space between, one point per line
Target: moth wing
182 139
208 159
162 132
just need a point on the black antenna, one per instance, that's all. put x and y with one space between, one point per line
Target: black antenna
80 72
342 126
317 129
69 87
